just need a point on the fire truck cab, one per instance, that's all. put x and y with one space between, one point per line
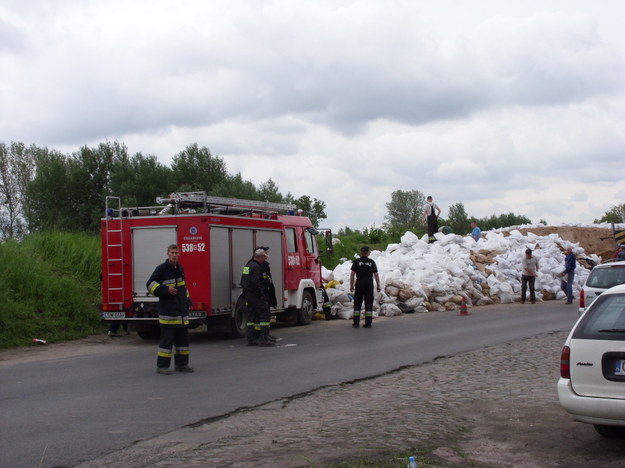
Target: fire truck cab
216 237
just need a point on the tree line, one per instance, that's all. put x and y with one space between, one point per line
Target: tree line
43 189
405 213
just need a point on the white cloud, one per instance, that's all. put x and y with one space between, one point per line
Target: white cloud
507 107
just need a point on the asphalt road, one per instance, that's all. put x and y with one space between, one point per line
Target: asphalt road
74 408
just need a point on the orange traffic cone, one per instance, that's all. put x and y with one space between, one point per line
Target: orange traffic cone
463 307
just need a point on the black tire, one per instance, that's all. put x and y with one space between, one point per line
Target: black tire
610 431
151 333
305 314
238 322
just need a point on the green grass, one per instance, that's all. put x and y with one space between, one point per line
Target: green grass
52 288
348 246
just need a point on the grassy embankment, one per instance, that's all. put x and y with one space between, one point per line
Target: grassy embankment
52 288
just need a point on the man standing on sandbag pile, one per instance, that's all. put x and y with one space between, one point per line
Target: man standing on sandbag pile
430 216
363 270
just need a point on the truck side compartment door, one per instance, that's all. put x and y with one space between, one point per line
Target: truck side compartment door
221 276
149 249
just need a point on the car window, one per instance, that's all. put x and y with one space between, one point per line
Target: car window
605 278
604 320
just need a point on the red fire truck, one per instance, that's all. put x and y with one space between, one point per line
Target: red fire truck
216 237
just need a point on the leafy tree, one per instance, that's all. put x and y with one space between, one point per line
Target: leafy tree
89 182
16 170
374 235
616 214
68 192
236 187
404 211
313 208
197 168
458 219
347 231
139 179
501 221
268 191
48 201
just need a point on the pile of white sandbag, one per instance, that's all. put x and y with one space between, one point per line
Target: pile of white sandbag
420 277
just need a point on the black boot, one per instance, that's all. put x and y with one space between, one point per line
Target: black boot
252 336
368 321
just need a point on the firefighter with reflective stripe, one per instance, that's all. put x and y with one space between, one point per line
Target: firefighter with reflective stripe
363 271
167 282
254 282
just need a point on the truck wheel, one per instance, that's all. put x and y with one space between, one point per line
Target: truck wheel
238 323
305 314
152 333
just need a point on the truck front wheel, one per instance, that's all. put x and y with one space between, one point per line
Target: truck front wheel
238 322
305 314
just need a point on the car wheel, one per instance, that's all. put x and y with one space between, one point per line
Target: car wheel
610 431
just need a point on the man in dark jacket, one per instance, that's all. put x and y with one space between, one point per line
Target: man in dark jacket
254 282
568 275
167 282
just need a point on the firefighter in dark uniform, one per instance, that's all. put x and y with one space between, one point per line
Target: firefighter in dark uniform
271 289
168 284
255 284
363 271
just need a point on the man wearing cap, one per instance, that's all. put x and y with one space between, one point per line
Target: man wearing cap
363 271
528 275
254 281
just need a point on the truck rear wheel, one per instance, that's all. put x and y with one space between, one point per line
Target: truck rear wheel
238 322
305 314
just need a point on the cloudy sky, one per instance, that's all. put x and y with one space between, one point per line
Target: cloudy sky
505 106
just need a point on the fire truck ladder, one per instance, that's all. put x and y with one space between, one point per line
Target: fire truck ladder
209 203
114 251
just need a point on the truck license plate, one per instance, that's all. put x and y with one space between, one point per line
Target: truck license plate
619 368
197 314
113 315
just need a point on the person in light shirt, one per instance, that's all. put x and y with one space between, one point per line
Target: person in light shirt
528 276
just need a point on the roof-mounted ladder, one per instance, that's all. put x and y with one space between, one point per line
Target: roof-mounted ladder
200 199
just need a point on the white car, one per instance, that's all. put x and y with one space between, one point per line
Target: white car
601 278
592 366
